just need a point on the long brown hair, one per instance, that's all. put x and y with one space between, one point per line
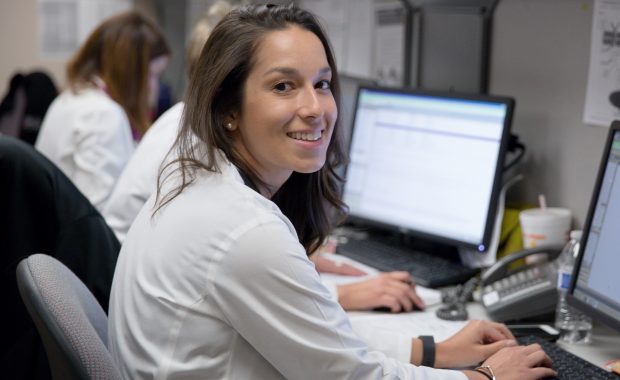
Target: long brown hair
216 89
119 51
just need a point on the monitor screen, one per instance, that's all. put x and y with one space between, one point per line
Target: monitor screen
595 287
428 164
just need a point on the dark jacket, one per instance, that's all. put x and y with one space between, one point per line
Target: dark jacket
41 211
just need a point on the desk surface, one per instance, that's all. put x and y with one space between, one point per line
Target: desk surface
605 344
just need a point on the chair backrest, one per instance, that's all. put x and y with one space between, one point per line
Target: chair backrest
72 324
25 103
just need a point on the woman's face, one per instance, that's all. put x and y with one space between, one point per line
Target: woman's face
288 111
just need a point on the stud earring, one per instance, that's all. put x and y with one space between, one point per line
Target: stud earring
229 126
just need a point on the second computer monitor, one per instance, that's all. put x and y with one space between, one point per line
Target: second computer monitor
428 164
595 288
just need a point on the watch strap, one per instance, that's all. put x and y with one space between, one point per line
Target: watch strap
428 350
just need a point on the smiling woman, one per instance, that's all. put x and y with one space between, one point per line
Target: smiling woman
266 84
213 280
288 111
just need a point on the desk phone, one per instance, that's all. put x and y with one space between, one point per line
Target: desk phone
525 293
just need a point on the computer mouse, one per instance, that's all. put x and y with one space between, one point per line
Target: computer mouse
385 309
382 309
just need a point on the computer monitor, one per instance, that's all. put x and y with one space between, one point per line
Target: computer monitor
349 85
595 288
428 164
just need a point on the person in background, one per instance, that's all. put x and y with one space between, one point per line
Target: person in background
213 279
41 211
139 180
162 101
90 130
25 103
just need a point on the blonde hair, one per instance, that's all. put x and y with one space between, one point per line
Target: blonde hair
203 29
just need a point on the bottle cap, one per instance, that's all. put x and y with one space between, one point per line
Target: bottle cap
576 234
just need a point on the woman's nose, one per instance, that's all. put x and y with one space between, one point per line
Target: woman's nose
311 106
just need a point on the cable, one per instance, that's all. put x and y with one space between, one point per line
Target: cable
515 145
454 308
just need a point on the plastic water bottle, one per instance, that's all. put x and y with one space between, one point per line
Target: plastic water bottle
574 326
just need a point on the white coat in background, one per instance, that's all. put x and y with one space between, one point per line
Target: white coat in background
139 178
88 136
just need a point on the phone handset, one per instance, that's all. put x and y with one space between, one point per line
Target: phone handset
499 270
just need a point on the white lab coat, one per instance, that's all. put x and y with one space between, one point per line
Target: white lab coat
217 286
88 136
139 178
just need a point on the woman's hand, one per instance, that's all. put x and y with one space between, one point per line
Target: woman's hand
394 290
473 344
518 363
326 265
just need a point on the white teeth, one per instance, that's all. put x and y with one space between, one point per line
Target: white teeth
306 136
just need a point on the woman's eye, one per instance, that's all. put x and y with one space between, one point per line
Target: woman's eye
324 85
282 87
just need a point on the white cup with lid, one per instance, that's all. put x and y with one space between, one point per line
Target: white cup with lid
542 227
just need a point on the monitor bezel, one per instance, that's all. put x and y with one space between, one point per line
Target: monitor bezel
499 168
572 300
358 81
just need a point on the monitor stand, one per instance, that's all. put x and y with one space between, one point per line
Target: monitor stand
473 258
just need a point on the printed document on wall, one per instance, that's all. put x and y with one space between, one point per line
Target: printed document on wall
65 24
604 74
333 15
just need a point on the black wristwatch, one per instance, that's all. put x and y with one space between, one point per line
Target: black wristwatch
428 350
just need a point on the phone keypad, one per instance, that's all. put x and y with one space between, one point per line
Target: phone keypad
525 279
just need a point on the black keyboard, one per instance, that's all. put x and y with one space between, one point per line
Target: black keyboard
427 270
567 365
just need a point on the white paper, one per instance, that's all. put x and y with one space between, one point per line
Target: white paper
392 333
350 26
65 24
359 37
369 325
332 15
604 73
388 60
58 35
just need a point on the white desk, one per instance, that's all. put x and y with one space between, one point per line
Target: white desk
605 344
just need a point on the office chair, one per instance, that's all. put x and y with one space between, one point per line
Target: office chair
42 211
72 324
25 103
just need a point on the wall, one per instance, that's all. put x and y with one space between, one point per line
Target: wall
19 43
172 18
540 56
